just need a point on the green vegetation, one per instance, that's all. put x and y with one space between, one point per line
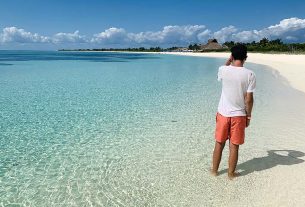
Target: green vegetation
265 45
194 47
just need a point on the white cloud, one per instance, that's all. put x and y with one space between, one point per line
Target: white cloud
204 36
169 35
68 38
112 35
291 38
248 36
290 30
286 25
287 28
13 34
180 34
225 34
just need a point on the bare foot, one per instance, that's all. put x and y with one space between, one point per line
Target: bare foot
214 173
233 175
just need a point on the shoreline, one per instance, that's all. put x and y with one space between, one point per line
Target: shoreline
164 139
291 67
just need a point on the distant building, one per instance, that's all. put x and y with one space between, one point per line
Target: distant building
212 45
182 49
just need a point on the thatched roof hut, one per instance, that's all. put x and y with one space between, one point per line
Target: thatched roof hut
212 45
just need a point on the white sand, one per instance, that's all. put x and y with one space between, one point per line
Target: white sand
291 67
276 180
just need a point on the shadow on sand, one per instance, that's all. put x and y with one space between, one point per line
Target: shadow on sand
274 158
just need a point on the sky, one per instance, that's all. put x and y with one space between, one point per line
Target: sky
55 24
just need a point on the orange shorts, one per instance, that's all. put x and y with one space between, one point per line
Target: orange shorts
232 128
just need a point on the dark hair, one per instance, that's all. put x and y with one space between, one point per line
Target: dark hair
239 52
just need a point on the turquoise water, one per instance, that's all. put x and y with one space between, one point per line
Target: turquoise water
121 129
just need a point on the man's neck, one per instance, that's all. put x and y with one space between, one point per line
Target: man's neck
238 63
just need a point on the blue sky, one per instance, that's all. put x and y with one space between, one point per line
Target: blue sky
55 24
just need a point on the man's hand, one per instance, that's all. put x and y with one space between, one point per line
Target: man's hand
229 61
248 122
249 105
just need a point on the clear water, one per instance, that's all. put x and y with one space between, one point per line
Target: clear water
123 129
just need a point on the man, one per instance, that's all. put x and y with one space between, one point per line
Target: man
235 107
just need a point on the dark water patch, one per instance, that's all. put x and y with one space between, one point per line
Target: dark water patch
5 64
110 61
82 56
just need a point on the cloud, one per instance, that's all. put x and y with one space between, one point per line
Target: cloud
289 30
170 35
13 34
112 35
292 29
69 38
287 25
204 36
225 34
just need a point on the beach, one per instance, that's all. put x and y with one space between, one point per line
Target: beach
291 67
136 129
279 171
109 103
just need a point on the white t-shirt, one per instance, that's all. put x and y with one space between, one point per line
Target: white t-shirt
236 82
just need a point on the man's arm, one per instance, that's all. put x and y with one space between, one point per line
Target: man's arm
249 100
229 61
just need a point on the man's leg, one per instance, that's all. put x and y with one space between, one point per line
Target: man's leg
217 156
233 158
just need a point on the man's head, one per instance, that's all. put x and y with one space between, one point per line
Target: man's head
239 52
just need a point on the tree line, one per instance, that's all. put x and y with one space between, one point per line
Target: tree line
266 45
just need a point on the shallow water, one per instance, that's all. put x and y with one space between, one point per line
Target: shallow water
121 129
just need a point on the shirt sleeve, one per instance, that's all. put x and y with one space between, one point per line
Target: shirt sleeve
252 83
219 75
